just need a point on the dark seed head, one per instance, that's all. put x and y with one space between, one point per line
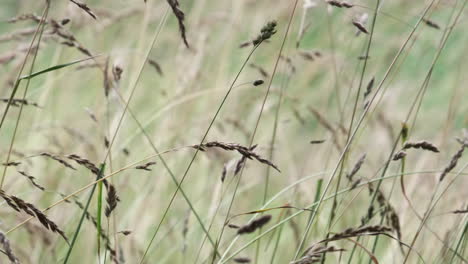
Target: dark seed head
258 82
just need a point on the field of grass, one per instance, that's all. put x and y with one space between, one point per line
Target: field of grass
244 131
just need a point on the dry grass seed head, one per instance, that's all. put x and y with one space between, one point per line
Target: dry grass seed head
233 226
125 232
369 87
20 205
254 225
106 143
11 164
381 200
146 166
399 155
19 102
431 23
360 27
31 180
265 33
117 72
453 162
258 82
224 173
359 231
262 71
394 221
461 211
58 159
335 3
425 145
356 167
111 199
107 82
180 18
25 17
242 260
340 4
315 253
245 44
347 5
156 66
307 55
317 141
84 7
7 248
84 162
68 38
244 151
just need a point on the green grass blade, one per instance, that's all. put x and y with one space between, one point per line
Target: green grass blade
99 213
460 241
54 68
32 75
83 215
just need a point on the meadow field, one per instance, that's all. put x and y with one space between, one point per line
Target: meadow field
248 131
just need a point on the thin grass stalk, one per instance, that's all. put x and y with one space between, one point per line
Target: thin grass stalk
397 139
364 114
28 79
166 166
444 37
260 114
182 100
196 153
105 252
215 212
40 29
404 132
460 241
404 139
403 135
431 206
99 218
30 49
278 238
271 200
417 100
302 180
135 84
270 156
382 218
114 217
83 215
133 89
199 219
225 189
336 87
435 59
227 258
356 101
318 192
91 184
376 240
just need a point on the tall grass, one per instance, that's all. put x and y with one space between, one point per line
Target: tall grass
284 126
